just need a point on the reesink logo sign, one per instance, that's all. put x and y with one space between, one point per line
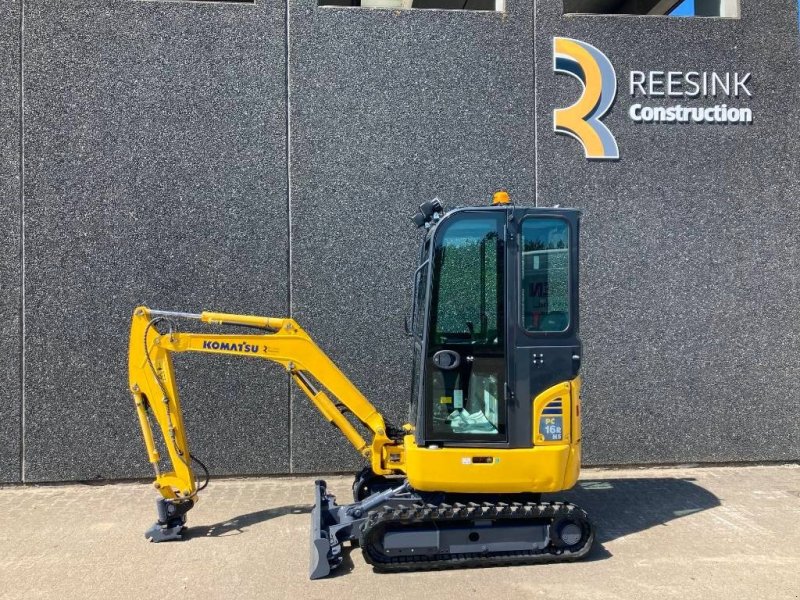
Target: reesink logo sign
582 120
658 96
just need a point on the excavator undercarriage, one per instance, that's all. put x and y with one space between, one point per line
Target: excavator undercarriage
402 530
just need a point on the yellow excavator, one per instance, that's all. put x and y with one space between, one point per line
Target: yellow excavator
495 413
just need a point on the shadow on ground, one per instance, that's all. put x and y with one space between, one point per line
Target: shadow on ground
237 525
621 507
617 507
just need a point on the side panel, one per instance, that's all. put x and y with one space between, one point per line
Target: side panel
10 233
155 173
511 471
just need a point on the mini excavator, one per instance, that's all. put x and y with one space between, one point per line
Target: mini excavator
495 412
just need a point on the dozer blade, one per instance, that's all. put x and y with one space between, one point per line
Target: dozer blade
324 556
319 566
332 525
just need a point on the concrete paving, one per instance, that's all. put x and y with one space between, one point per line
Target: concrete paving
721 532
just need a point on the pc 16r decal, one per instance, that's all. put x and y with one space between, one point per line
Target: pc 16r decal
582 120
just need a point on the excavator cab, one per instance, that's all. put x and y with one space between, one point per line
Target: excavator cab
494 324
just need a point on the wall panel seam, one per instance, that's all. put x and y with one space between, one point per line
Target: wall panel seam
535 115
22 239
289 219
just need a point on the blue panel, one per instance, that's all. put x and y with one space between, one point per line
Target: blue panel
684 9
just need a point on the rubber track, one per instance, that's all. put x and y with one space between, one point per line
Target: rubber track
378 520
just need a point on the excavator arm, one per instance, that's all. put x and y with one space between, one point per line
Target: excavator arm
154 337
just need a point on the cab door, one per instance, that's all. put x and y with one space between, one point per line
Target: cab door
464 352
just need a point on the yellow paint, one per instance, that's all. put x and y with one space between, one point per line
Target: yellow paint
561 391
537 469
574 118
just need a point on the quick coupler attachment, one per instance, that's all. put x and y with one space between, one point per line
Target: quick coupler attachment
171 520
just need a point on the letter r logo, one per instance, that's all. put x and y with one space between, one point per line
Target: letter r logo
582 120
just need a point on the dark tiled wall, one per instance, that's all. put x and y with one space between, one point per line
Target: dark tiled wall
10 276
156 172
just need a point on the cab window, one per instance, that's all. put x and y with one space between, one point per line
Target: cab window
545 274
